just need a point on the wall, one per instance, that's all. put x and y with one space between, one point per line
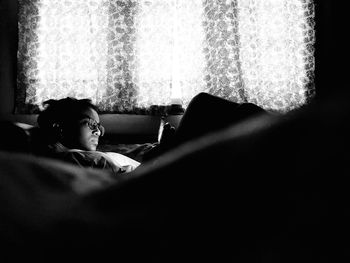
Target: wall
8 49
325 48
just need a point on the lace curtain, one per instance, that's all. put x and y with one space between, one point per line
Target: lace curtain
130 55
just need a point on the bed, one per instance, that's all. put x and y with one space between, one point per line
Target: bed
270 189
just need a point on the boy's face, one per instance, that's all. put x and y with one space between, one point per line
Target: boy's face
85 134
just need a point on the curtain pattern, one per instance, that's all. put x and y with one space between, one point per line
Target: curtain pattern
277 52
128 55
121 90
80 48
27 68
223 73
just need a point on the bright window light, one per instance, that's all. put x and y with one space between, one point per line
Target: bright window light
129 55
72 49
169 48
275 53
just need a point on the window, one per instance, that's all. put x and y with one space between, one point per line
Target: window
129 55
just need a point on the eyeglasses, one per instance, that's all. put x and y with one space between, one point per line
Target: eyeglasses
93 125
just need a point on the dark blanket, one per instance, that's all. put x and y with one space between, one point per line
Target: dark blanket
266 190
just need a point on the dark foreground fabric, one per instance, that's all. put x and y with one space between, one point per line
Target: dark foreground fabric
266 190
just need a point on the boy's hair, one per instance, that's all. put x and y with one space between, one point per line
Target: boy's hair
62 112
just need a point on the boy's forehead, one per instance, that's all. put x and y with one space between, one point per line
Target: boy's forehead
91 113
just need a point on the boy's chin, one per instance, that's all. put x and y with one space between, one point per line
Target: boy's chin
90 147
93 148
